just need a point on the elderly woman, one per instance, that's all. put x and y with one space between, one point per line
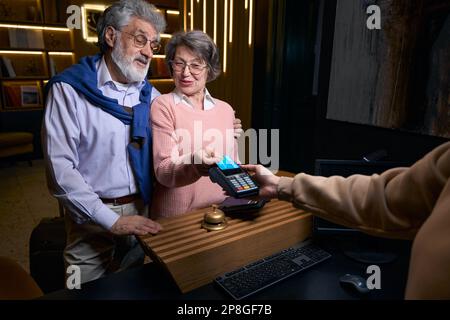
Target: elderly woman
191 129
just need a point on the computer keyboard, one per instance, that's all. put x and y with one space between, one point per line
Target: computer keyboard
263 273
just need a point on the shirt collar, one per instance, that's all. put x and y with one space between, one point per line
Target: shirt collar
104 77
208 100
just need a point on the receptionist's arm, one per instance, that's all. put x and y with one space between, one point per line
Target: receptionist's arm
394 204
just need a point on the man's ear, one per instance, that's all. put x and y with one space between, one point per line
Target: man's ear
110 36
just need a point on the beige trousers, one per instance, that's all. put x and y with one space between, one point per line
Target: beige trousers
97 251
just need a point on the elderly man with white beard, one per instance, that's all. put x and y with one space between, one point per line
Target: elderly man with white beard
97 142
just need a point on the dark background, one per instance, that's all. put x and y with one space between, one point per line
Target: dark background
285 56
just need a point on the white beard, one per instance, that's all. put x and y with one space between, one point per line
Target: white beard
125 63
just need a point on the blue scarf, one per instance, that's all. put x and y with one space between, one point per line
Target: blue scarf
83 78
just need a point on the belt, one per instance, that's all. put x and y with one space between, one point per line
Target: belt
121 200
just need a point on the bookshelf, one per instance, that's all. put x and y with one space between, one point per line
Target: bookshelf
35 44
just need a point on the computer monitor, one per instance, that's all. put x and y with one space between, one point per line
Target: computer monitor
355 244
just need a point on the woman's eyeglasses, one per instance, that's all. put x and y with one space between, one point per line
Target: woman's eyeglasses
140 41
194 68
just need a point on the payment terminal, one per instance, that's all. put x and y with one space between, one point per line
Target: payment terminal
233 179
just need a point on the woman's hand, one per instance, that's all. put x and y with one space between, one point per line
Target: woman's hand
237 126
204 159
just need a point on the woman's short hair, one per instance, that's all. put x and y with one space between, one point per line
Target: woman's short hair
119 14
201 45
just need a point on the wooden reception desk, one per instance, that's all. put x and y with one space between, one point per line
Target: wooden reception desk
194 256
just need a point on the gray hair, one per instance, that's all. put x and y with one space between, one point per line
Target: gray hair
119 14
201 45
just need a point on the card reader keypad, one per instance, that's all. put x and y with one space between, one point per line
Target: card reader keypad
242 182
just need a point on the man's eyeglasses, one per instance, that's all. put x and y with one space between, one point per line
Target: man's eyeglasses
194 68
140 41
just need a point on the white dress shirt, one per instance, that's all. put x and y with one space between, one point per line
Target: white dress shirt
208 101
86 148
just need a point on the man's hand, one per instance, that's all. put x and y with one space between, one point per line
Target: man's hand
137 225
237 126
204 159
268 182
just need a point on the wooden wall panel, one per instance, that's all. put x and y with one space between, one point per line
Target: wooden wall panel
236 84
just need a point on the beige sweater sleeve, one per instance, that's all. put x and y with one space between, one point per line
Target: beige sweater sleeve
429 269
394 204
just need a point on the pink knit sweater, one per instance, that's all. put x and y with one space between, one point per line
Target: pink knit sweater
178 131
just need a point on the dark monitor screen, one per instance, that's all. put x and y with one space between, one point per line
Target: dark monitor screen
345 168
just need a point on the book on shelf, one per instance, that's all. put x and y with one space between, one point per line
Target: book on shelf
35 39
24 38
3 71
17 38
52 65
12 96
7 68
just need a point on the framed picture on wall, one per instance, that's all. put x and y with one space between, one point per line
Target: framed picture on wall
30 96
90 16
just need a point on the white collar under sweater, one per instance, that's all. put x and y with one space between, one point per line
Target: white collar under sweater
208 101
